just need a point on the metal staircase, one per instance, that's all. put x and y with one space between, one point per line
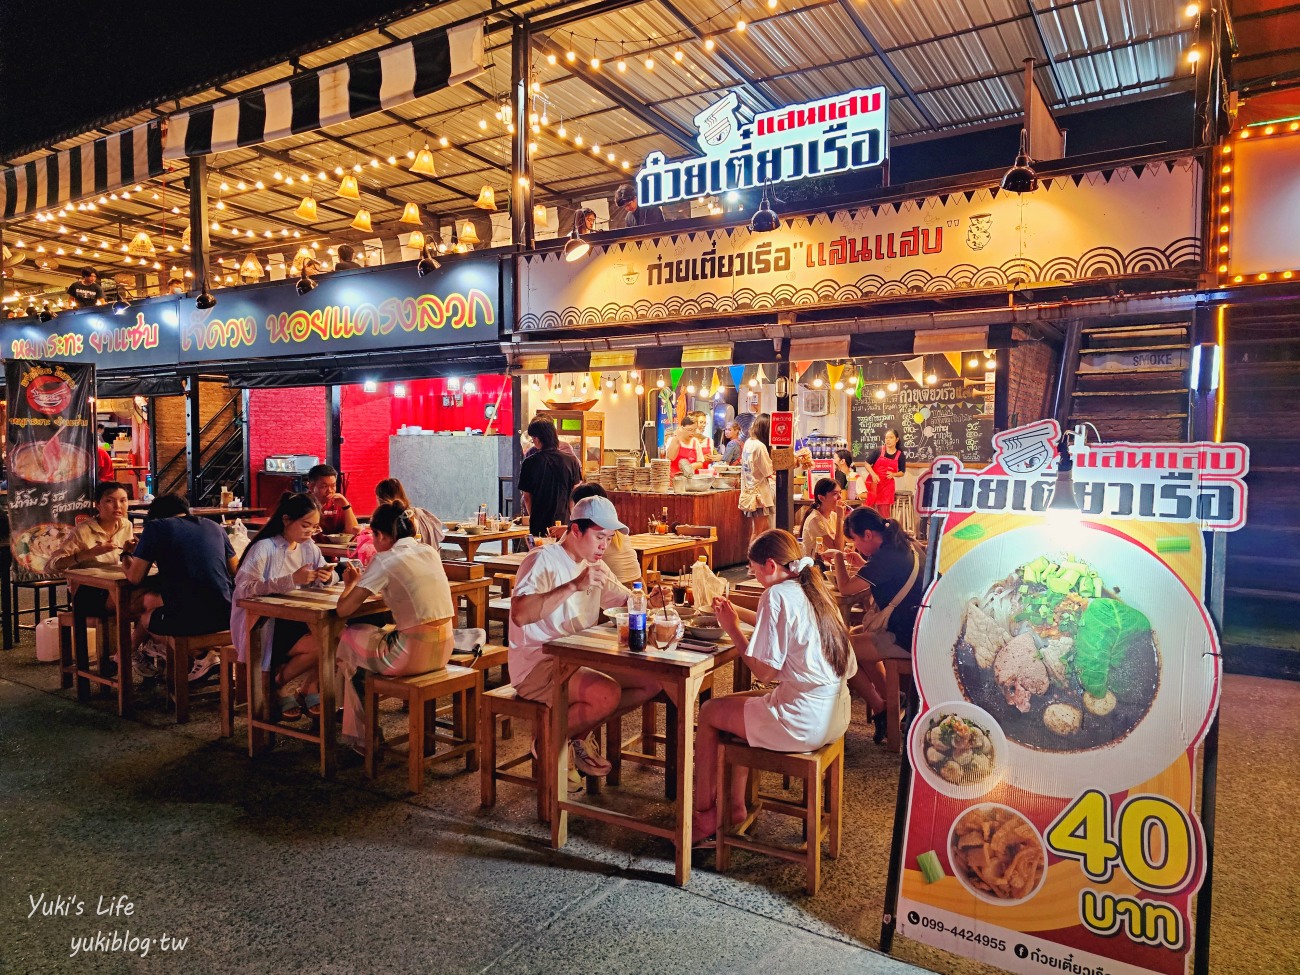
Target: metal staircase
221 459
1131 382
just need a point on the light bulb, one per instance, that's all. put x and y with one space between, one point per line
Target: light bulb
990 363
640 390
817 383
679 55
973 362
621 65
892 387
741 25
595 64
690 389
570 56
753 383
660 382
550 59
442 141
649 64
709 44
880 394
839 384
931 379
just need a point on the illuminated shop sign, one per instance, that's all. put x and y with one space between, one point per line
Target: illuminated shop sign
832 135
146 335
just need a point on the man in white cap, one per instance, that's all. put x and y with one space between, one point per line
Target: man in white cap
560 590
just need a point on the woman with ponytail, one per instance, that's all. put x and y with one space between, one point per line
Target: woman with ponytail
280 558
410 577
799 640
883 561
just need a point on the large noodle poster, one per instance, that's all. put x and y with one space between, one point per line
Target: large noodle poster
1067 670
51 460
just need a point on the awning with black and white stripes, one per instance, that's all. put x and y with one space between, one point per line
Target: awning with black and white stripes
91 168
365 83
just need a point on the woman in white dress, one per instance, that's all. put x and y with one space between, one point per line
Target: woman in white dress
410 577
757 479
800 640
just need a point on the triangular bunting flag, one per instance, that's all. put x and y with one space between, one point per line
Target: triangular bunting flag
1078 178
915 368
994 191
954 360
800 368
1170 164
595 382
737 375
1106 174
675 377
714 384
833 373
762 376
1139 169
898 205
969 194
857 390
943 199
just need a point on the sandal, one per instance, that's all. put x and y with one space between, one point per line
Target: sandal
881 732
311 704
290 708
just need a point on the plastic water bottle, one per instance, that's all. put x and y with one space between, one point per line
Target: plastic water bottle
636 619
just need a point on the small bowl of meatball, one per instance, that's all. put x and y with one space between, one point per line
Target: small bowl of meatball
959 749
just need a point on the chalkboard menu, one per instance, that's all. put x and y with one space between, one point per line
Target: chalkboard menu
951 418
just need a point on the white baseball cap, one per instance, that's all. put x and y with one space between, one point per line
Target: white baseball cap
598 510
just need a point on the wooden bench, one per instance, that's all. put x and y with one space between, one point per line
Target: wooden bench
506 703
180 651
421 693
822 772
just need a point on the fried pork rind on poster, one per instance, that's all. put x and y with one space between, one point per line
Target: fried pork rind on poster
998 853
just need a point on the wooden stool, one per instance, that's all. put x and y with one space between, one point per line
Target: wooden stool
421 693
822 773
67 661
233 689
895 670
505 702
489 658
499 612
180 651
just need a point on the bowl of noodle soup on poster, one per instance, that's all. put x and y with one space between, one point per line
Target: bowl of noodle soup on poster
1093 658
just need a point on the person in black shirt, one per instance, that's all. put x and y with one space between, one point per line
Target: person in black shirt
547 478
843 468
86 292
635 215
345 261
882 561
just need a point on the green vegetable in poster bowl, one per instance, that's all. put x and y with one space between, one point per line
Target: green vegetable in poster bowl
1106 632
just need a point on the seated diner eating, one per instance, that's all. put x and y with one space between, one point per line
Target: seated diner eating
560 590
429 528
800 641
619 555
413 583
336 514
281 558
100 540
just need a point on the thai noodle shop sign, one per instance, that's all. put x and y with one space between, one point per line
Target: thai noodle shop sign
357 311
1113 223
50 458
143 335
1067 671
831 135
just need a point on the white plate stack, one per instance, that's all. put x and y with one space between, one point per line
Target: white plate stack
661 475
607 477
643 479
626 473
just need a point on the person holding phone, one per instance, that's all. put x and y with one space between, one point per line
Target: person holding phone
281 558
410 577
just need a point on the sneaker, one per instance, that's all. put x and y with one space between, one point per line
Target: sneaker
203 667
587 760
576 781
146 665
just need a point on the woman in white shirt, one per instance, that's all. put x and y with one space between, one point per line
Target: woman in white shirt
757 479
799 640
826 518
410 577
281 558
429 528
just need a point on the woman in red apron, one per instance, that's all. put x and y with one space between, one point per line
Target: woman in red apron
685 451
888 464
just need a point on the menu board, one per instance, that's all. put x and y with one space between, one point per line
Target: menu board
1068 671
953 418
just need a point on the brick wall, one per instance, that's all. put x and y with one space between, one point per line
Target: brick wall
367 422
285 421
1031 379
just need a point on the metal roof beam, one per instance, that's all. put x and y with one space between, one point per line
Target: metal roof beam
851 12
1047 50
761 92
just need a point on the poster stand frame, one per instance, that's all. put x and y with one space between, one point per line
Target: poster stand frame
1209 769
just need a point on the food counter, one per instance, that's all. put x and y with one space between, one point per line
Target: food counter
720 509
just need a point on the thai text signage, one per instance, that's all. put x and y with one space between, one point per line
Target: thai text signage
347 312
50 458
143 335
1068 671
1139 220
831 135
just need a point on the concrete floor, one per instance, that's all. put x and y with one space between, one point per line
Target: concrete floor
263 867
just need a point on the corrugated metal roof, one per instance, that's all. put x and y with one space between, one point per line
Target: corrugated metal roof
945 63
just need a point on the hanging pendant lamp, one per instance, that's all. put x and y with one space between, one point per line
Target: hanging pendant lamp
468 235
423 165
362 220
141 246
411 214
575 248
427 263
416 240
306 209
487 199
348 187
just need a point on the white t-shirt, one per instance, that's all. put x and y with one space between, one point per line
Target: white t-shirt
545 568
413 582
756 475
817 525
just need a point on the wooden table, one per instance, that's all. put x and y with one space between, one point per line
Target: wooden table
681 673
111 579
508 563
467 580
215 513
316 608
470 544
720 509
650 548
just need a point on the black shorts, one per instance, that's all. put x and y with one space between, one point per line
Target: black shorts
187 622
90 602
